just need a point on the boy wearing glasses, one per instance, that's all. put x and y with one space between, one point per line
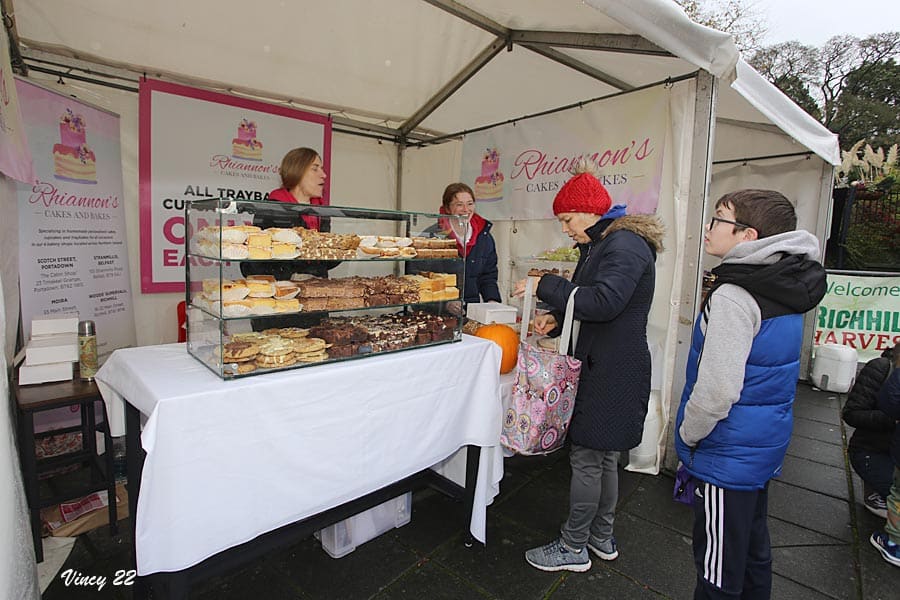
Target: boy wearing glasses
735 419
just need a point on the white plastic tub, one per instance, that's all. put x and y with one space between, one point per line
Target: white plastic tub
834 368
343 537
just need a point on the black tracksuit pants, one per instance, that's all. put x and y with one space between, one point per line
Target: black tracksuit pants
731 543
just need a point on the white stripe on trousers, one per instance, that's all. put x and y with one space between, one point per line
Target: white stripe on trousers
714 510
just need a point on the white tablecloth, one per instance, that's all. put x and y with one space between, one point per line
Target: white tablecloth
229 460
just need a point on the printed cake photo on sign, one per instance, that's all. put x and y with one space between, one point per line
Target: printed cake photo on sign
246 146
73 160
489 185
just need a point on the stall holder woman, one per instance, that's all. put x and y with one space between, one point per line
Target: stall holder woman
475 244
302 182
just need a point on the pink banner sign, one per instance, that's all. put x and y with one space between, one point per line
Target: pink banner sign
196 144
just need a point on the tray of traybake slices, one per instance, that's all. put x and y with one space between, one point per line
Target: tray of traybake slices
250 242
332 339
258 295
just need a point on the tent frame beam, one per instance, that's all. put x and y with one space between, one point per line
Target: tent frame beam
577 65
483 58
605 42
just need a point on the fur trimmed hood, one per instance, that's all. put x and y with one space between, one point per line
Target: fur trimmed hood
649 227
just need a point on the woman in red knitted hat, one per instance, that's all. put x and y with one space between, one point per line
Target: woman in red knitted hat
615 276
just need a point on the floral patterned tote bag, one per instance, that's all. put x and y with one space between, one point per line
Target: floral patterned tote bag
538 412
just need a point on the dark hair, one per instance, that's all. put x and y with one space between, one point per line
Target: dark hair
452 190
294 166
766 211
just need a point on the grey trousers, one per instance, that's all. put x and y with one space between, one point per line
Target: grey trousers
593 492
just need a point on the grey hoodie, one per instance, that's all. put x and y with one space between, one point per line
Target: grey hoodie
733 320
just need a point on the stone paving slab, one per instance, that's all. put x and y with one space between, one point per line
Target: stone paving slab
652 501
808 509
810 449
817 412
429 580
816 476
657 557
603 582
541 505
791 590
500 567
823 432
826 569
783 533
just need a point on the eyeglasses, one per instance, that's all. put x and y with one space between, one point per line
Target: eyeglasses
712 223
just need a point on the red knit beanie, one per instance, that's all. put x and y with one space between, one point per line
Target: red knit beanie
584 194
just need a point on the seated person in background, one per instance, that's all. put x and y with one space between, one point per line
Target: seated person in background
870 445
887 542
477 248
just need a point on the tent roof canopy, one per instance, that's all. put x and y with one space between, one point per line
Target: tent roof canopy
411 68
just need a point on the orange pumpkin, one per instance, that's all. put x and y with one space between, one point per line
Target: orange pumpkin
508 340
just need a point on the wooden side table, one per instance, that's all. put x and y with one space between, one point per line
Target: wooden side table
31 399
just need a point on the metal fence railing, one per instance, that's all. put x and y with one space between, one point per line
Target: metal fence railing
865 230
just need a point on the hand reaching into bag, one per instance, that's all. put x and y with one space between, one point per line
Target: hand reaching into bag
519 290
544 324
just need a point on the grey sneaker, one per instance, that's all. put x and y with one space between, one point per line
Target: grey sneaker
555 556
606 550
876 505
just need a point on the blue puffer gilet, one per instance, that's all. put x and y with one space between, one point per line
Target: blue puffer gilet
746 449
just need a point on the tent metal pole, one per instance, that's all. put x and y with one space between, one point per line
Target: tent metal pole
823 227
470 16
604 42
398 195
577 65
806 154
697 196
449 88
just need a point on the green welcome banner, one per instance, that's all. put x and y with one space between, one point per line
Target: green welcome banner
860 312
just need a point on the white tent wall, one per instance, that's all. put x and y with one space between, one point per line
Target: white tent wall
18 576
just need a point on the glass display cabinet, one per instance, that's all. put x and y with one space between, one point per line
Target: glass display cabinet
273 286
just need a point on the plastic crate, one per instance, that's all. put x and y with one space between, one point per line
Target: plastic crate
343 537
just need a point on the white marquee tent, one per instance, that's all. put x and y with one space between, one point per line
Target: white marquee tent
399 76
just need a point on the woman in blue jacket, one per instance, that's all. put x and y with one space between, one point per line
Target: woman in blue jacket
476 246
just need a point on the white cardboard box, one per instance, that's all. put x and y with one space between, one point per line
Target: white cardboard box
58 371
60 347
491 312
54 325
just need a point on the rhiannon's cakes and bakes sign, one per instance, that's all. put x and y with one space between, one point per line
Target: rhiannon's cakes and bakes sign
197 144
73 256
515 169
